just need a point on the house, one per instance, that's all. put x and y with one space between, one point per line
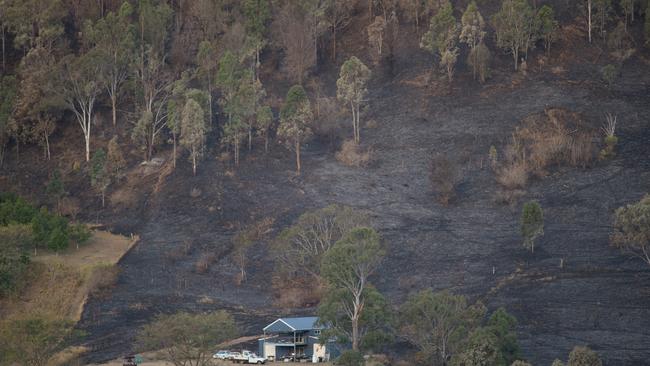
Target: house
300 336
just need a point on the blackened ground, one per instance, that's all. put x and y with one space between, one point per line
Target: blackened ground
598 297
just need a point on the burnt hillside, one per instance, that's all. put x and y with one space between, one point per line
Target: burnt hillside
574 289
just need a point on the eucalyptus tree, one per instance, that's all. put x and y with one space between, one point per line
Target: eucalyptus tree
351 88
295 120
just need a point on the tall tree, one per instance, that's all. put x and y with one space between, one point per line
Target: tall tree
80 89
8 91
295 119
438 323
193 130
100 177
347 267
532 223
206 59
602 9
548 26
442 38
632 229
257 14
338 14
187 339
351 87
263 122
114 39
513 27
154 21
472 33
35 23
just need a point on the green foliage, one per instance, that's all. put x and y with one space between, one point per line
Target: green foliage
50 230
257 14
346 267
115 162
532 223
548 26
14 259
300 248
442 37
185 336
583 356
100 177
350 358
472 33
79 234
32 341
481 350
516 27
521 363
610 73
438 323
351 88
193 130
503 325
55 187
632 229
295 119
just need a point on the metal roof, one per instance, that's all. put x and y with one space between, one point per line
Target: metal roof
293 324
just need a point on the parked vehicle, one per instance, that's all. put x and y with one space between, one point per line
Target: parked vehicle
247 357
222 355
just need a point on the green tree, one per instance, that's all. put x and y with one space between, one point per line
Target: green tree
513 27
14 259
257 14
113 37
263 122
8 85
32 341
193 131
632 229
520 363
481 350
437 323
532 223
346 267
187 339
55 188
350 358
100 178
583 356
442 37
301 247
115 162
548 26
472 34
503 325
153 81
351 87
295 119
206 59
479 59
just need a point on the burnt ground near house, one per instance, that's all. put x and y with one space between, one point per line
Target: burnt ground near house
598 297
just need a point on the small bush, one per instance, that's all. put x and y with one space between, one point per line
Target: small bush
351 154
610 73
204 262
514 175
350 358
444 177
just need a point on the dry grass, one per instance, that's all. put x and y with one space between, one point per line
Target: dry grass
203 264
351 154
554 138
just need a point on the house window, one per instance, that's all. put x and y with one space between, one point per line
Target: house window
317 332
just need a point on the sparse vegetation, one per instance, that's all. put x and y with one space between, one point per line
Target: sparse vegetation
632 229
351 154
532 224
187 339
444 176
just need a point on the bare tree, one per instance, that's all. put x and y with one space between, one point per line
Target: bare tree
296 33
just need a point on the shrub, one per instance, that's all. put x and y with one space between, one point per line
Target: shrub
205 261
514 175
13 266
583 356
351 154
532 223
554 138
632 229
350 358
610 73
444 177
